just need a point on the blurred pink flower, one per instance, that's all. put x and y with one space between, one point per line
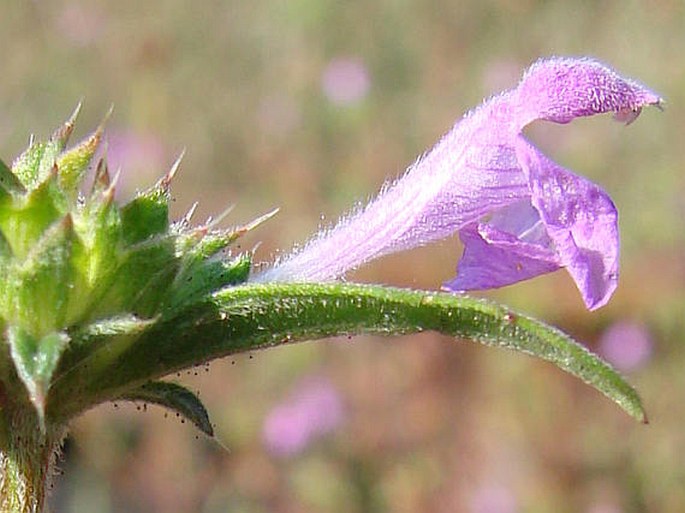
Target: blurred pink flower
493 499
313 409
139 156
345 81
627 345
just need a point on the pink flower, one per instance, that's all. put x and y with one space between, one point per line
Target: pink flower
141 154
518 213
626 345
313 410
345 81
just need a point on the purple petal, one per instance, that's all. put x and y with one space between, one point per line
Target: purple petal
483 167
495 258
569 222
563 89
472 171
581 220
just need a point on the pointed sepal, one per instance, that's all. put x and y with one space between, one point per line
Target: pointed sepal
63 133
143 278
199 279
146 215
9 183
175 398
73 164
25 220
35 359
98 225
101 179
239 231
97 345
38 287
205 242
34 165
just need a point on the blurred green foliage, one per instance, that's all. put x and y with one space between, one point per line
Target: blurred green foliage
430 424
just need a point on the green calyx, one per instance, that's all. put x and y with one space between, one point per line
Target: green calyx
72 260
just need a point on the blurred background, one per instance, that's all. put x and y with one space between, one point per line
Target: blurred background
310 105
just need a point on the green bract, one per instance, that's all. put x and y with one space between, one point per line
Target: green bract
99 301
80 272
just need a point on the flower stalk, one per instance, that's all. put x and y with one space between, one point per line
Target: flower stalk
27 456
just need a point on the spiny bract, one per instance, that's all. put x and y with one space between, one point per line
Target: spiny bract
79 272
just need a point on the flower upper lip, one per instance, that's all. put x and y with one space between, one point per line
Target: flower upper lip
473 176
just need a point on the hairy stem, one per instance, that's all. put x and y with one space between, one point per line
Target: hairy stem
27 455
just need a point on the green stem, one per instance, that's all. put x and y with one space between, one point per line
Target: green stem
27 456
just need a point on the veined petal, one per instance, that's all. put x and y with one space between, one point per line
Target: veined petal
482 166
567 222
582 221
495 258
472 171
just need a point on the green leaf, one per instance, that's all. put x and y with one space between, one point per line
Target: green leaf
35 360
98 226
176 398
9 183
6 255
94 347
142 280
34 165
200 244
24 220
194 283
37 289
73 164
145 216
25 167
249 317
